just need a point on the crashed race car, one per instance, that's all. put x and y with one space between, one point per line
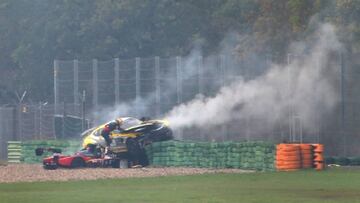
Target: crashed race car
131 141
80 159
127 144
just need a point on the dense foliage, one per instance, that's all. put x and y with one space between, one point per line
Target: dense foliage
34 33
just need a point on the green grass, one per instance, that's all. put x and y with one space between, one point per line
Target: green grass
340 185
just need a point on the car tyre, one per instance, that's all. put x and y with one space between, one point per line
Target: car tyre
77 162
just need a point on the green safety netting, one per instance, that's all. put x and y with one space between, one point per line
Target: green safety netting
244 155
28 149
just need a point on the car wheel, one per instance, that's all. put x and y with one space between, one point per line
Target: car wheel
50 167
77 162
115 163
164 135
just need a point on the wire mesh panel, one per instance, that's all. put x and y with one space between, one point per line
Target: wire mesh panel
7 129
85 82
154 86
190 76
127 80
28 122
168 84
106 94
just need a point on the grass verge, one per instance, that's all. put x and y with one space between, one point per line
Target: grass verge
335 185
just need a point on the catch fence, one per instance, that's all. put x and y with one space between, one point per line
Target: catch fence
100 90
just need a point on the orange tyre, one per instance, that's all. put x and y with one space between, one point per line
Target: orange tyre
289 166
288 163
306 156
307 161
305 147
319 166
288 153
318 147
288 170
287 147
319 159
303 151
289 158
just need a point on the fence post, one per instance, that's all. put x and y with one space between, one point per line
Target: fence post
95 84
289 102
116 81
40 120
342 89
179 79
200 84
76 82
157 85
14 123
200 75
56 88
83 98
179 86
137 81
224 127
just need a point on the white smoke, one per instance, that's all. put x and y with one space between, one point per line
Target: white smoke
304 87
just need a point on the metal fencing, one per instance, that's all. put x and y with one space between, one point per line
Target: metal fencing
153 86
156 82
29 122
7 127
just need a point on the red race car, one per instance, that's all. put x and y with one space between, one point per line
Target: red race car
82 158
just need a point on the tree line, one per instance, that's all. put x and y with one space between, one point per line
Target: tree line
34 33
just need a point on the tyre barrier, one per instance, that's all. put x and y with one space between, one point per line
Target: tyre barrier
318 156
290 157
306 155
244 155
14 151
25 151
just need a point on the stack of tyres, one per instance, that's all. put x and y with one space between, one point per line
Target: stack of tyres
288 157
245 155
318 156
306 155
28 149
14 151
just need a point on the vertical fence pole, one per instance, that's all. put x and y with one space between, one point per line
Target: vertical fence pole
40 120
157 85
20 122
95 84
76 82
342 77
200 84
200 75
179 86
116 81
224 127
179 79
289 103
56 88
83 99
137 81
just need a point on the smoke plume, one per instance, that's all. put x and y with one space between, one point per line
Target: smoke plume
304 88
